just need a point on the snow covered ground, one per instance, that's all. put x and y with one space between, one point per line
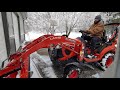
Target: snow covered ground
34 35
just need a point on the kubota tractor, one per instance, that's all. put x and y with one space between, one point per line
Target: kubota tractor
70 54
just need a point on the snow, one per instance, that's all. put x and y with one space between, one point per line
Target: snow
74 35
45 66
33 68
30 36
96 75
59 34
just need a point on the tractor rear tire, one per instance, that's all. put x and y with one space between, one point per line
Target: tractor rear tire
106 61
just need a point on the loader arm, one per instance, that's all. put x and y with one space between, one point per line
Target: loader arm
20 60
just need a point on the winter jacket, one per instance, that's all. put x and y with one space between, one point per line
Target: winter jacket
96 29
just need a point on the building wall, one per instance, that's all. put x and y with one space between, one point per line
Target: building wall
16 30
12 27
11 33
3 52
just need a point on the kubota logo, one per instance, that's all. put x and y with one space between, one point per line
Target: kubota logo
71 40
52 38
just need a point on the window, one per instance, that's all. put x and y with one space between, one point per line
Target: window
16 30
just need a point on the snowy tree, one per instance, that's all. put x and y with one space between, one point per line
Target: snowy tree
40 21
110 17
53 22
69 21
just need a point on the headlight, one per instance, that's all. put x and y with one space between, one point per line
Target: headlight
58 46
116 45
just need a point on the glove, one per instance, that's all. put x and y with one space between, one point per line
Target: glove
81 31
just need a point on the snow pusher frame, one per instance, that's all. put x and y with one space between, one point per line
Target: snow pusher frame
19 62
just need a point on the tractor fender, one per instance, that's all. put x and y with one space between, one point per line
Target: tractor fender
72 64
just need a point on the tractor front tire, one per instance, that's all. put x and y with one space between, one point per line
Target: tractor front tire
72 71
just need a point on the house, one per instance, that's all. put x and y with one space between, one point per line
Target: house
12 32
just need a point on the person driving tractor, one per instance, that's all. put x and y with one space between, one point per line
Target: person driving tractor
96 33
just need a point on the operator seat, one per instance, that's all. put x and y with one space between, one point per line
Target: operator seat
104 38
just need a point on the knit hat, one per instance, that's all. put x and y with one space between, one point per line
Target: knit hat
98 17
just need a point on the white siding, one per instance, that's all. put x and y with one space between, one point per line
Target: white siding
3 52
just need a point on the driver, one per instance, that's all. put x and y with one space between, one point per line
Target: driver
96 32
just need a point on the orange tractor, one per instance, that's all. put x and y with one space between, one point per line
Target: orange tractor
68 53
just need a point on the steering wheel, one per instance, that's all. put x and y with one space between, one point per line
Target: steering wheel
83 32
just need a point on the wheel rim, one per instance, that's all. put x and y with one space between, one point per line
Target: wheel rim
109 61
73 74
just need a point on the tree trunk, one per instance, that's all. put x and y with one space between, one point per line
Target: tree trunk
66 27
70 31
